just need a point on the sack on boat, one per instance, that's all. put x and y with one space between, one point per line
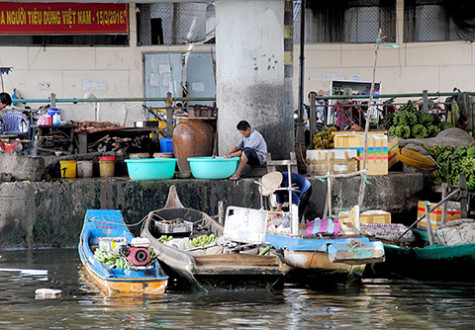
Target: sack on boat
323 226
456 232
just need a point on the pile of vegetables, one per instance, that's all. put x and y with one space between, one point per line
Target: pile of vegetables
410 123
324 139
203 240
453 162
115 259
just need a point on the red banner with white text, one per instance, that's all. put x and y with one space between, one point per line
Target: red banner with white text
63 18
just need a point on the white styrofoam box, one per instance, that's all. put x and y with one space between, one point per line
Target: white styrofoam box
245 225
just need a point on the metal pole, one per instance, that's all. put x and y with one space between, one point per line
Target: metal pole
453 193
312 117
300 121
425 100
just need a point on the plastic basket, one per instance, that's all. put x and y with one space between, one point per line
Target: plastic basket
167 227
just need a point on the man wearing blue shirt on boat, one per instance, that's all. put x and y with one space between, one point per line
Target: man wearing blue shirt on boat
301 194
252 148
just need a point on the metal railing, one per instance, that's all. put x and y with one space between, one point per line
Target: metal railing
424 100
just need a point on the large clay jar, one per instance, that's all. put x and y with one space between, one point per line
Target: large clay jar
192 138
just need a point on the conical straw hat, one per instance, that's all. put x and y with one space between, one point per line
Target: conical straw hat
270 182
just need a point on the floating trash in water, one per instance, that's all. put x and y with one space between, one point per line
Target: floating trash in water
26 272
46 293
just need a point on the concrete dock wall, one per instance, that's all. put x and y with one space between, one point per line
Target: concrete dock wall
36 214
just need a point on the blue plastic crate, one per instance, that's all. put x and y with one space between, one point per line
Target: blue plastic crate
166 145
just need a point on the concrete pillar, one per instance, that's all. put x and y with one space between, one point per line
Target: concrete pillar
250 73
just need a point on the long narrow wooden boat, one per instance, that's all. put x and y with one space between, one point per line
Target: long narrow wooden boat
238 268
105 230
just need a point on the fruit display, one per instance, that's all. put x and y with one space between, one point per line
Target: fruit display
410 123
324 139
453 162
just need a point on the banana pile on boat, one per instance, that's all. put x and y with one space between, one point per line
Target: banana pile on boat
203 240
165 238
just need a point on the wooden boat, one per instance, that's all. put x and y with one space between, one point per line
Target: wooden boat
421 260
240 267
342 258
105 230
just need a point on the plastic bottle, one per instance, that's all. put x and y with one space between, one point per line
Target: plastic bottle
55 116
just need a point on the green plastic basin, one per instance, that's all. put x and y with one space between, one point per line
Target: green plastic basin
151 168
213 168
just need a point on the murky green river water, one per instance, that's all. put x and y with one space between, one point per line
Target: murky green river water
373 304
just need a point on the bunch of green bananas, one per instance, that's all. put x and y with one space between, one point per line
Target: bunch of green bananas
112 259
419 131
121 263
153 255
453 162
203 240
165 238
403 131
409 106
104 256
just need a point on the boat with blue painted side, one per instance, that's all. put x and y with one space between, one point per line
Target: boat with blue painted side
107 231
313 257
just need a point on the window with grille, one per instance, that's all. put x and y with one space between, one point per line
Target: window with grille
439 20
168 23
347 21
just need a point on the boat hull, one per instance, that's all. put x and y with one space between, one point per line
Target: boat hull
130 287
320 263
433 262
344 258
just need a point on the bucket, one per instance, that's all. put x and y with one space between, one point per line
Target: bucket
84 169
106 167
68 168
166 144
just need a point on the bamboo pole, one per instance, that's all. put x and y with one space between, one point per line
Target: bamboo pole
453 193
368 119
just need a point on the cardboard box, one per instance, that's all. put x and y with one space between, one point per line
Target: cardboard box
370 216
453 213
377 153
393 148
332 161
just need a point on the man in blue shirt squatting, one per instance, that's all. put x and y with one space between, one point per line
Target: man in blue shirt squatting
301 194
251 148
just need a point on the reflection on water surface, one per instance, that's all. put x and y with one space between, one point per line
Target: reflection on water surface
375 303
